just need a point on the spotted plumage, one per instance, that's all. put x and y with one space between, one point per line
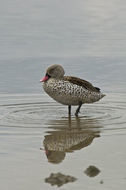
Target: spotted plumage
69 90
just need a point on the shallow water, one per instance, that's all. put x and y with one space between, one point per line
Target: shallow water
36 136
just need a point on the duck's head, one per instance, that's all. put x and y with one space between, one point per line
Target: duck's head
54 71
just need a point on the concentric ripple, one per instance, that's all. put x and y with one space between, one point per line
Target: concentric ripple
35 111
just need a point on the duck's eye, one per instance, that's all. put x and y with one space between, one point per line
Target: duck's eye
48 75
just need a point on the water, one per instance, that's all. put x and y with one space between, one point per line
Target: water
36 136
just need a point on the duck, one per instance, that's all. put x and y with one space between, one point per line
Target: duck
69 90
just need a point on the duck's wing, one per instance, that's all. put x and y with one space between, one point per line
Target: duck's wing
81 82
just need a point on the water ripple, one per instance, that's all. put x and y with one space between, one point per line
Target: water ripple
35 112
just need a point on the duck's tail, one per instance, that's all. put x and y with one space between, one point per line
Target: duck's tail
102 95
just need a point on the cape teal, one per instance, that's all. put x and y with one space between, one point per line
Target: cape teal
69 90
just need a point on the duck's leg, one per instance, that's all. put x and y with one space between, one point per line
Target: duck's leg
78 109
69 110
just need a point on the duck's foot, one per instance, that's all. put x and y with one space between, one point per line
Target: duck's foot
78 109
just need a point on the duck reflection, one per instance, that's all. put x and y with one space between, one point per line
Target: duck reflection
69 135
